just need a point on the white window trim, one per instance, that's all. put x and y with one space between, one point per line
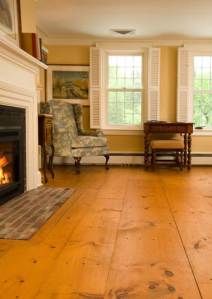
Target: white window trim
195 51
203 131
104 111
122 132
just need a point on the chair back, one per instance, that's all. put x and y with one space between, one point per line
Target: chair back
64 118
64 125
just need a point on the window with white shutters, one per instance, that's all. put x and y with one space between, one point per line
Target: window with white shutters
124 88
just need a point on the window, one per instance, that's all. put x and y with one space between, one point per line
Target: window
121 96
194 102
124 91
202 91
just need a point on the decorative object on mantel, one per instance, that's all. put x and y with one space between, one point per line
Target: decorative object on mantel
22 216
44 54
70 83
9 20
45 134
31 43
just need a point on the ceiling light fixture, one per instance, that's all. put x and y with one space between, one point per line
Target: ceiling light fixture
123 32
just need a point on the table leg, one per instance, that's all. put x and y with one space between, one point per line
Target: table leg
146 151
189 151
50 166
44 164
185 150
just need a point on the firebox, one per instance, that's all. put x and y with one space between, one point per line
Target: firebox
12 152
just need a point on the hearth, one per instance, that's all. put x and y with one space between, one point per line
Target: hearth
12 152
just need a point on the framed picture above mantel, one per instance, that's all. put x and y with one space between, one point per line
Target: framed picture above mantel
9 20
68 82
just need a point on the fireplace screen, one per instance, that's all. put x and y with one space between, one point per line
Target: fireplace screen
11 163
12 152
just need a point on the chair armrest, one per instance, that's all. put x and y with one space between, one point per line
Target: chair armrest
97 133
46 107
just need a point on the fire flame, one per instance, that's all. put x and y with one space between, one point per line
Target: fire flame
4 176
3 161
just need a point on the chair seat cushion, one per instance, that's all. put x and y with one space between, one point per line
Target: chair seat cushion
88 141
167 144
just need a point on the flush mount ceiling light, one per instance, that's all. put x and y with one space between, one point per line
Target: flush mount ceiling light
123 32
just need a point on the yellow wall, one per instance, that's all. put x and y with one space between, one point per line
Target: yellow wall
168 83
79 55
28 16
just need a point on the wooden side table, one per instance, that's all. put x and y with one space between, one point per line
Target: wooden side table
152 127
45 136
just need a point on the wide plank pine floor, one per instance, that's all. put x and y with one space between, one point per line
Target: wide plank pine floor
126 233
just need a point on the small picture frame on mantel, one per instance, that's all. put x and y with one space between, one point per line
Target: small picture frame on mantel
9 20
69 83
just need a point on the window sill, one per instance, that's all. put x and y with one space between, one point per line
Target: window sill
202 132
122 132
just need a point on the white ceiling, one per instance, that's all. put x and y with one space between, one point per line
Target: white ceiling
152 19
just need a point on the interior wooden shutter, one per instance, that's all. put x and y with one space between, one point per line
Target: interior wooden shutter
184 103
95 87
154 84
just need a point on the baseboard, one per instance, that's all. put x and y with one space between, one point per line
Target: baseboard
201 159
127 158
114 160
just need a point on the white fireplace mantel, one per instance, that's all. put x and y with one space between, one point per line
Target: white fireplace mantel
19 87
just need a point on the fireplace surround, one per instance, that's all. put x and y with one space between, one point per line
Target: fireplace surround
12 152
21 87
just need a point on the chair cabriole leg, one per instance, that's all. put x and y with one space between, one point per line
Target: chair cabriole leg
77 164
107 157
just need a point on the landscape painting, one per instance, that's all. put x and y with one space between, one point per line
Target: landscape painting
69 82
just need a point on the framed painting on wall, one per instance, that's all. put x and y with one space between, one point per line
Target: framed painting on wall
68 83
9 20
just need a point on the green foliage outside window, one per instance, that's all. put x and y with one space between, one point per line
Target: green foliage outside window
202 91
124 90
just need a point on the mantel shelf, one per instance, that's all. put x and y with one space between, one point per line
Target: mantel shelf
21 53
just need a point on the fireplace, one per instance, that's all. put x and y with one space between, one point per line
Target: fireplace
12 152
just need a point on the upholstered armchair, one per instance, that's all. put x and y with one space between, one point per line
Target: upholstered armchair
70 139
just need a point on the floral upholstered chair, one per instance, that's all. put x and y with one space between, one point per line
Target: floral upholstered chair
70 139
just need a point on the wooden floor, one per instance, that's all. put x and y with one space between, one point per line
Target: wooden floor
125 233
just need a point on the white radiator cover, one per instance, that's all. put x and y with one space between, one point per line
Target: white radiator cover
19 87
